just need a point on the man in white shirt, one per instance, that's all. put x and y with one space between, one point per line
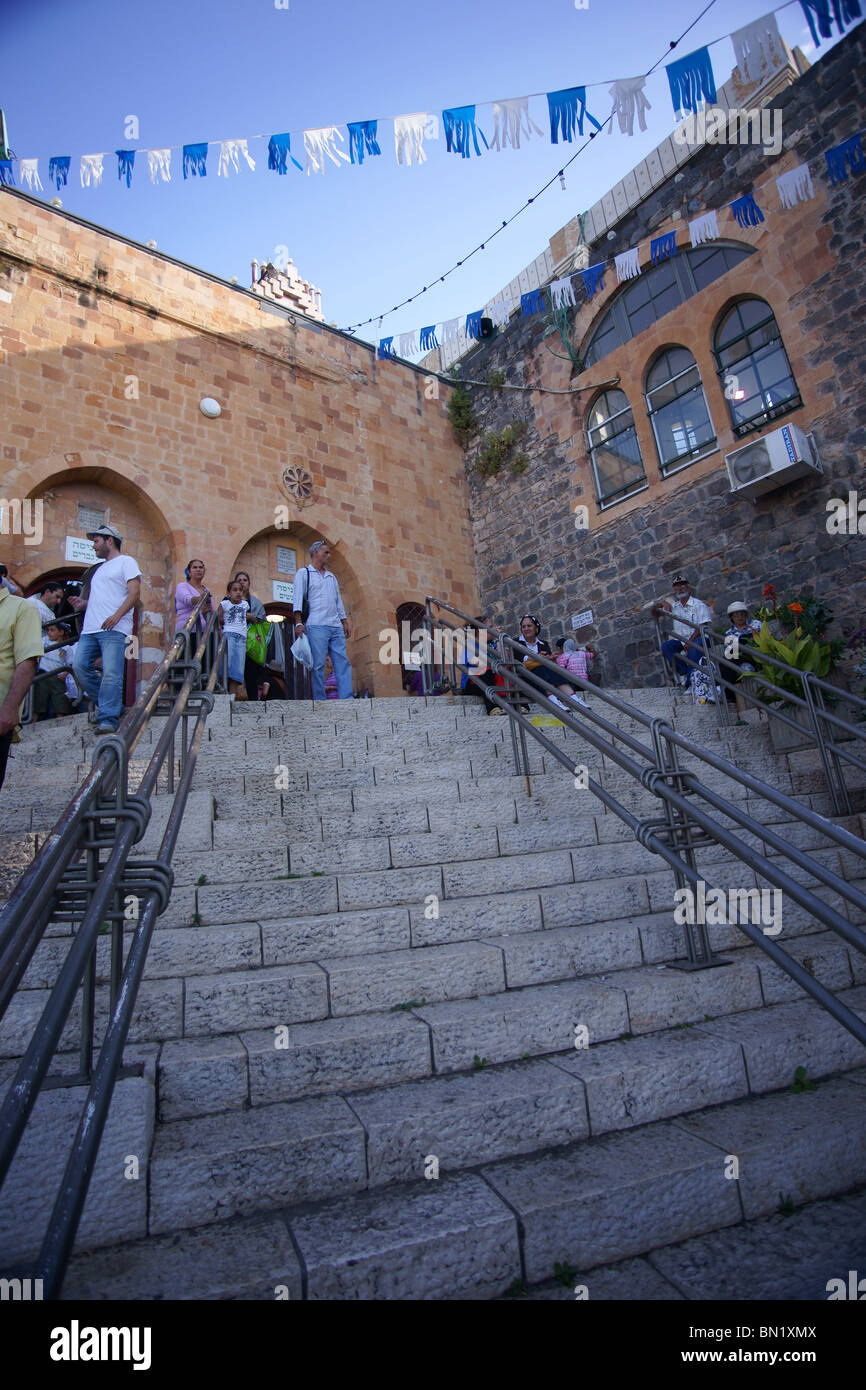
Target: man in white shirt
114 590
326 624
690 614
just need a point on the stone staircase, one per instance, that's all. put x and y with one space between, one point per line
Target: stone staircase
356 1035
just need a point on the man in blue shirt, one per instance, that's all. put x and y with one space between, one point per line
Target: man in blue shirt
326 624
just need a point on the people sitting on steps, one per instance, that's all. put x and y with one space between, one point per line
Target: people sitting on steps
530 638
689 615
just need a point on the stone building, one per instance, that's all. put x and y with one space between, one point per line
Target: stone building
630 439
618 478
108 350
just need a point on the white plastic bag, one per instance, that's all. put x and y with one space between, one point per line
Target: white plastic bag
302 651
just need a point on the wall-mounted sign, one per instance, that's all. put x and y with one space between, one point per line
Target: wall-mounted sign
583 619
80 550
283 592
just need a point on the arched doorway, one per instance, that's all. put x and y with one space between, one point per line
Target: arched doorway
272 558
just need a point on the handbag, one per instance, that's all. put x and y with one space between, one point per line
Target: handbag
258 636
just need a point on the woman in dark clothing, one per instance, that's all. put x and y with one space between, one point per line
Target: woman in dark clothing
530 628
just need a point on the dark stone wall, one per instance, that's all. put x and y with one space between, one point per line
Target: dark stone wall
529 556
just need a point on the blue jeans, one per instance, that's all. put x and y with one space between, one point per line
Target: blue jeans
236 654
106 691
671 650
325 641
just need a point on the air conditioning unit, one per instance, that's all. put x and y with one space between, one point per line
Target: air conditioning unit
778 458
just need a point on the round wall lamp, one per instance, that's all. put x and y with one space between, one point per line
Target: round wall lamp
209 407
56 203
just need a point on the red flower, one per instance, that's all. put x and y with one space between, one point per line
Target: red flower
795 607
769 591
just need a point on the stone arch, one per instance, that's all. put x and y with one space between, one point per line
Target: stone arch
64 482
258 556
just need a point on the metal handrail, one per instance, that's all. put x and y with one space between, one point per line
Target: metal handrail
101 886
831 752
683 826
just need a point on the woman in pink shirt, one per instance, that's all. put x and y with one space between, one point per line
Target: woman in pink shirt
188 593
574 661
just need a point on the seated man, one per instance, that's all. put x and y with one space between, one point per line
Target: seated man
690 614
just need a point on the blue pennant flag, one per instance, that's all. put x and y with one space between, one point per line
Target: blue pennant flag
125 161
6 175
567 110
195 160
385 349
460 128
850 151
428 339
279 152
662 247
820 21
362 140
691 81
58 169
746 211
473 324
531 303
593 279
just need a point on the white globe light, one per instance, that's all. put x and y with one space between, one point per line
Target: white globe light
209 407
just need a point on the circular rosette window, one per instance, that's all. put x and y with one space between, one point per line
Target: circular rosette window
298 484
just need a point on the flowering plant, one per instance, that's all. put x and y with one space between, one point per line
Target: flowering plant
799 639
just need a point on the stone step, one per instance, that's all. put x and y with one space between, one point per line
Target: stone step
468 1118
463 1235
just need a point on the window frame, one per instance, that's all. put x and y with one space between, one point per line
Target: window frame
668 468
794 402
684 278
610 499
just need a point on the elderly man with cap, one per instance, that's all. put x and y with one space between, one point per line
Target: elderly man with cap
690 614
112 593
320 613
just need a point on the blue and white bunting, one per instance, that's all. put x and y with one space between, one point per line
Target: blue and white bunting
691 82
567 110
460 129
195 160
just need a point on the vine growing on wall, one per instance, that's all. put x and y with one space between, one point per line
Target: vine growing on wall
497 449
462 416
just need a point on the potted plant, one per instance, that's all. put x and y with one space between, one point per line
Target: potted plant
800 642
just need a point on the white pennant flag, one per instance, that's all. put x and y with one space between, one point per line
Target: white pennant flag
320 143
627 265
500 312
629 100
562 292
159 165
705 228
511 119
409 132
230 151
91 170
795 186
758 48
408 344
450 330
29 172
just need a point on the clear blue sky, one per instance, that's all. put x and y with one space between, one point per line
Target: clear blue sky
368 236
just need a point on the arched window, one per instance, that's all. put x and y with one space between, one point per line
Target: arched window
614 449
754 366
678 410
658 290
